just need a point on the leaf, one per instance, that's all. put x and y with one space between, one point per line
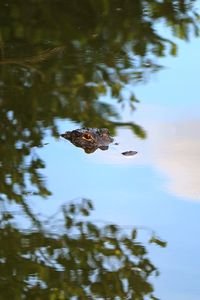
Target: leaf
68 222
173 50
159 242
133 234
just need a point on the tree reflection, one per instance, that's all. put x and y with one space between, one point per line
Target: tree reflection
79 261
59 58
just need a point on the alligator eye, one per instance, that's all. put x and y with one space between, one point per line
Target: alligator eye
87 137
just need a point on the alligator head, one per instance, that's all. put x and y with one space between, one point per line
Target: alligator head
90 139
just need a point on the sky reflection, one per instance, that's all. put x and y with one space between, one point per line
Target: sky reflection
146 189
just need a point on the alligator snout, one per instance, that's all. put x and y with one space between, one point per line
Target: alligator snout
66 135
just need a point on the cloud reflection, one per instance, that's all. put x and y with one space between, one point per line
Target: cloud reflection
172 148
176 150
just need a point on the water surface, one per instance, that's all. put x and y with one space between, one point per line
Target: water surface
131 67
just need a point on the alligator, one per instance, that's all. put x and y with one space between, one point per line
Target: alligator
91 139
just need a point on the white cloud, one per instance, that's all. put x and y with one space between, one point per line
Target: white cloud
172 148
177 154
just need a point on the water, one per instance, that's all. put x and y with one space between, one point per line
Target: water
65 65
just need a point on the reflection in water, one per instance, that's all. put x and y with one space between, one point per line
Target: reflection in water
177 155
57 60
59 66
173 148
75 260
